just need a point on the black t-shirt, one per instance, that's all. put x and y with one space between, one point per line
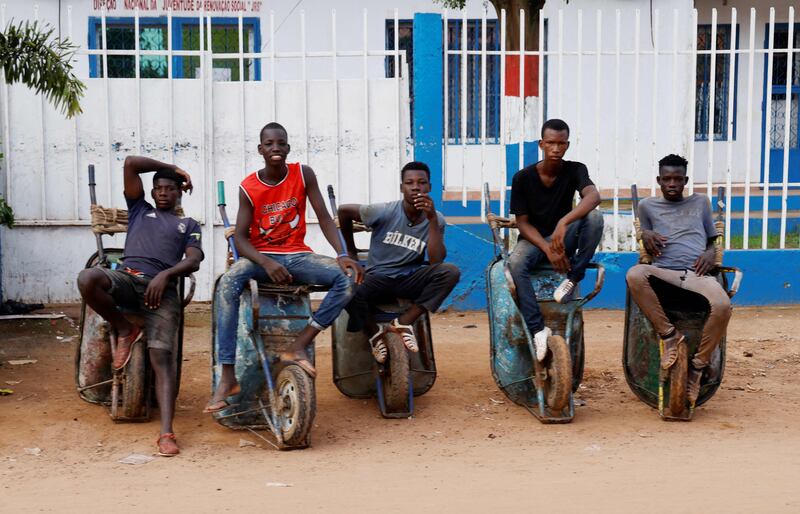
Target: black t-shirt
546 205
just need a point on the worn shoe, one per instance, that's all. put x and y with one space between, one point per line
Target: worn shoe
671 344
407 333
379 350
540 343
693 384
564 291
124 345
167 445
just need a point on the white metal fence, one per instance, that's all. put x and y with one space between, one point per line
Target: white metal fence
606 78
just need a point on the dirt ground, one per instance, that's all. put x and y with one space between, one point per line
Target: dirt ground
466 449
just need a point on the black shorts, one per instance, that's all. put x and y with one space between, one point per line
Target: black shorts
161 324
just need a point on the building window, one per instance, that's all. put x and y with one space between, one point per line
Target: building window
453 80
722 83
185 36
778 91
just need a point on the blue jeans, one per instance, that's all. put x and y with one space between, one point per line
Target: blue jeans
305 268
580 243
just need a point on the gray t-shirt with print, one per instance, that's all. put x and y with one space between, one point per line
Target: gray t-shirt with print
396 249
687 225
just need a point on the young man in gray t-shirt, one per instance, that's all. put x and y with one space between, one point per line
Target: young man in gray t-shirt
678 233
406 257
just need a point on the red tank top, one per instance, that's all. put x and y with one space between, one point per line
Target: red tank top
279 212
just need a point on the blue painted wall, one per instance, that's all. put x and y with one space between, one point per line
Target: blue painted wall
771 277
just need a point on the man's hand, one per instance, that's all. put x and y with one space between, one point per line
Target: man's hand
557 259
705 262
653 242
557 238
351 268
424 203
155 290
187 180
276 272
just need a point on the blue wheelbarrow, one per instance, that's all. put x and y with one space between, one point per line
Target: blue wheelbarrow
281 399
544 388
688 311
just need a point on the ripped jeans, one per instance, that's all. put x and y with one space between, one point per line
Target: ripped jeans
305 268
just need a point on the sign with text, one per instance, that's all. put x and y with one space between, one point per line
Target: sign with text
186 6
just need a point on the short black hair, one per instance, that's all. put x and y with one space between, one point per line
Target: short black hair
272 125
415 165
673 160
555 124
168 174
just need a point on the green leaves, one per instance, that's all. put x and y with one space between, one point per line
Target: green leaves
29 54
6 214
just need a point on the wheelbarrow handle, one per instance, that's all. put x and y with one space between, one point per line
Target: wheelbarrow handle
493 226
598 282
334 213
190 294
738 275
224 215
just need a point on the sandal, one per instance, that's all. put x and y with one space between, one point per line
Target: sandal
219 405
407 333
671 344
124 347
379 350
167 445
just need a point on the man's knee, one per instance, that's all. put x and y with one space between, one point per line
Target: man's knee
90 278
721 307
637 275
345 285
594 220
450 273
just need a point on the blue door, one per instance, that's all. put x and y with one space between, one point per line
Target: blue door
775 98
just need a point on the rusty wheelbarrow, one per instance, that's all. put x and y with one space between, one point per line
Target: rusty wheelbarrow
688 311
544 388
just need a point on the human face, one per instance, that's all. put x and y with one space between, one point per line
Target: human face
415 182
165 193
554 145
672 180
274 146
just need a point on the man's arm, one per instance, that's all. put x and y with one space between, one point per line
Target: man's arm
436 250
244 217
706 261
652 241
348 265
136 165
155 289
590 199
348 213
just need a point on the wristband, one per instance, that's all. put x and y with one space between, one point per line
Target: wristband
342 255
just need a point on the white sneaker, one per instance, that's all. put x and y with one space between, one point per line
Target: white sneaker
563 292
540 343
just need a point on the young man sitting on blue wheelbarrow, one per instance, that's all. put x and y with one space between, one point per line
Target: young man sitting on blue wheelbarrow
550 228
270 238
404 233
678 233
153 260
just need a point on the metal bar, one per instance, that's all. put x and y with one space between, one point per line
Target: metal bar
463 62
654 109
502 126
767 129
304 66
692 102
75 180
540 74
42 182
673 132
560 71
787 125
6 121
171 97
272 65
446 99
521 149
398 83
579 81
138 80
711 101
366 104
617 65
107 107
749 129
483 108
241 95
637 32
599 44
731 122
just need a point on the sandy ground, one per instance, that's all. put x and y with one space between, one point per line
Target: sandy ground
461 451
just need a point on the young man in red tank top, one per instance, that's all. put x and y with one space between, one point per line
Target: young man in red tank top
270 238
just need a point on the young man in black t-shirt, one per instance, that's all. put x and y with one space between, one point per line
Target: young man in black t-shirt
550 227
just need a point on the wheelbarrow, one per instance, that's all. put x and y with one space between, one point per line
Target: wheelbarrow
688 311
544 388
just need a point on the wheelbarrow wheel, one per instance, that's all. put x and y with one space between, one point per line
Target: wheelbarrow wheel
395 382
678 374
558 384
134 389
296 399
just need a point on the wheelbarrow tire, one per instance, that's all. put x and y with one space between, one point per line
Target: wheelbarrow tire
296 398
396 382
134 389
678 375
558 385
